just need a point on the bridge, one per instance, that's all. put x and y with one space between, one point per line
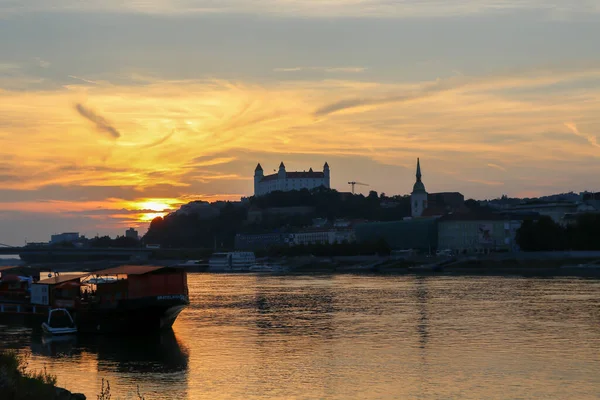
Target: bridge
37 252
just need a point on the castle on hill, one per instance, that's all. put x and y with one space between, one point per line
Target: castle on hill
286 181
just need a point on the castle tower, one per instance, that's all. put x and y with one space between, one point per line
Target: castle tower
418 197
258 176
326 175
281 173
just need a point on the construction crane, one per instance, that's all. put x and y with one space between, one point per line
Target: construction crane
356 183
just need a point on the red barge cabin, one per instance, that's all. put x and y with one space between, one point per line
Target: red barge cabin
126 299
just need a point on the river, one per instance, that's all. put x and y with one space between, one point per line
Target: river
348 336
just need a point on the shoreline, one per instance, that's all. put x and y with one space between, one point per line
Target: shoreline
527 264
18 383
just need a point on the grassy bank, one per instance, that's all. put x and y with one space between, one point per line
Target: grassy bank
18 383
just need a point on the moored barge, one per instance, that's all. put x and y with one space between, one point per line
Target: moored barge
125 299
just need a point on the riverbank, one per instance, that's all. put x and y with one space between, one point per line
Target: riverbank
17 383
526 264
584 264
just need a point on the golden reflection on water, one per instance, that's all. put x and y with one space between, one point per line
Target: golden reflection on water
340 337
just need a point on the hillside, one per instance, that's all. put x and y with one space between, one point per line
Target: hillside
200 224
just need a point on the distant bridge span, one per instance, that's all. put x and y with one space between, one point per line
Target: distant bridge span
57 251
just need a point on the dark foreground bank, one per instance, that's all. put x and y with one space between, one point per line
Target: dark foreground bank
16 383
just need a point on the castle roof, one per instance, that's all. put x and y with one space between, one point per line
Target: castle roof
295 175
258 168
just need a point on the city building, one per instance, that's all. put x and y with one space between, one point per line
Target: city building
591 200
287 181
453 201
419 234
477 233
423 204
132 234
321 235
554 210
261 241
66 237
313 236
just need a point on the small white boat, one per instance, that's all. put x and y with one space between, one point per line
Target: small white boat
236 261
59 322
268 268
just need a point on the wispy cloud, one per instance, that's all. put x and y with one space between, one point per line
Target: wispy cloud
42 63
159 141
593 140
322 69
427 90
515 80
219 130
496 166
486 182
102 125
311 8
84 79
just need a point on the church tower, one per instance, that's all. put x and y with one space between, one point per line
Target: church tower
258 176
418 197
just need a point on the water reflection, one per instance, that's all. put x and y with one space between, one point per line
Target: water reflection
159 353
422 296
305 311
340 337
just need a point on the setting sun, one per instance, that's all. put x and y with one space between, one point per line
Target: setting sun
148 217
154 206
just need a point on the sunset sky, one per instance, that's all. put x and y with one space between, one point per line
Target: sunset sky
113 111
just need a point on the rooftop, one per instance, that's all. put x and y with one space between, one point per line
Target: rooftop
473 216
128 270
55 280
295 175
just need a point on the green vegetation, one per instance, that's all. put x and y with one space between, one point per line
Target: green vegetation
106 395
546 235
17 383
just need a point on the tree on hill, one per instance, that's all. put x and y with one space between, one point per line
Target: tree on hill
194 231
546 235
187 230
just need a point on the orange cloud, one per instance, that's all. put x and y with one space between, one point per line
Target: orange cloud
200 136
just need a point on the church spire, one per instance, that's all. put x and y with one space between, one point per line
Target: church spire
418 170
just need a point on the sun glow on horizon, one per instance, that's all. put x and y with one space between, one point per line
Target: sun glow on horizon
153 208
154 205
148 217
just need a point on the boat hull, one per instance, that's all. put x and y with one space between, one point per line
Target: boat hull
132 316
58 331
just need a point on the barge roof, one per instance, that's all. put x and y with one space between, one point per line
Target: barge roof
128 270
55 280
